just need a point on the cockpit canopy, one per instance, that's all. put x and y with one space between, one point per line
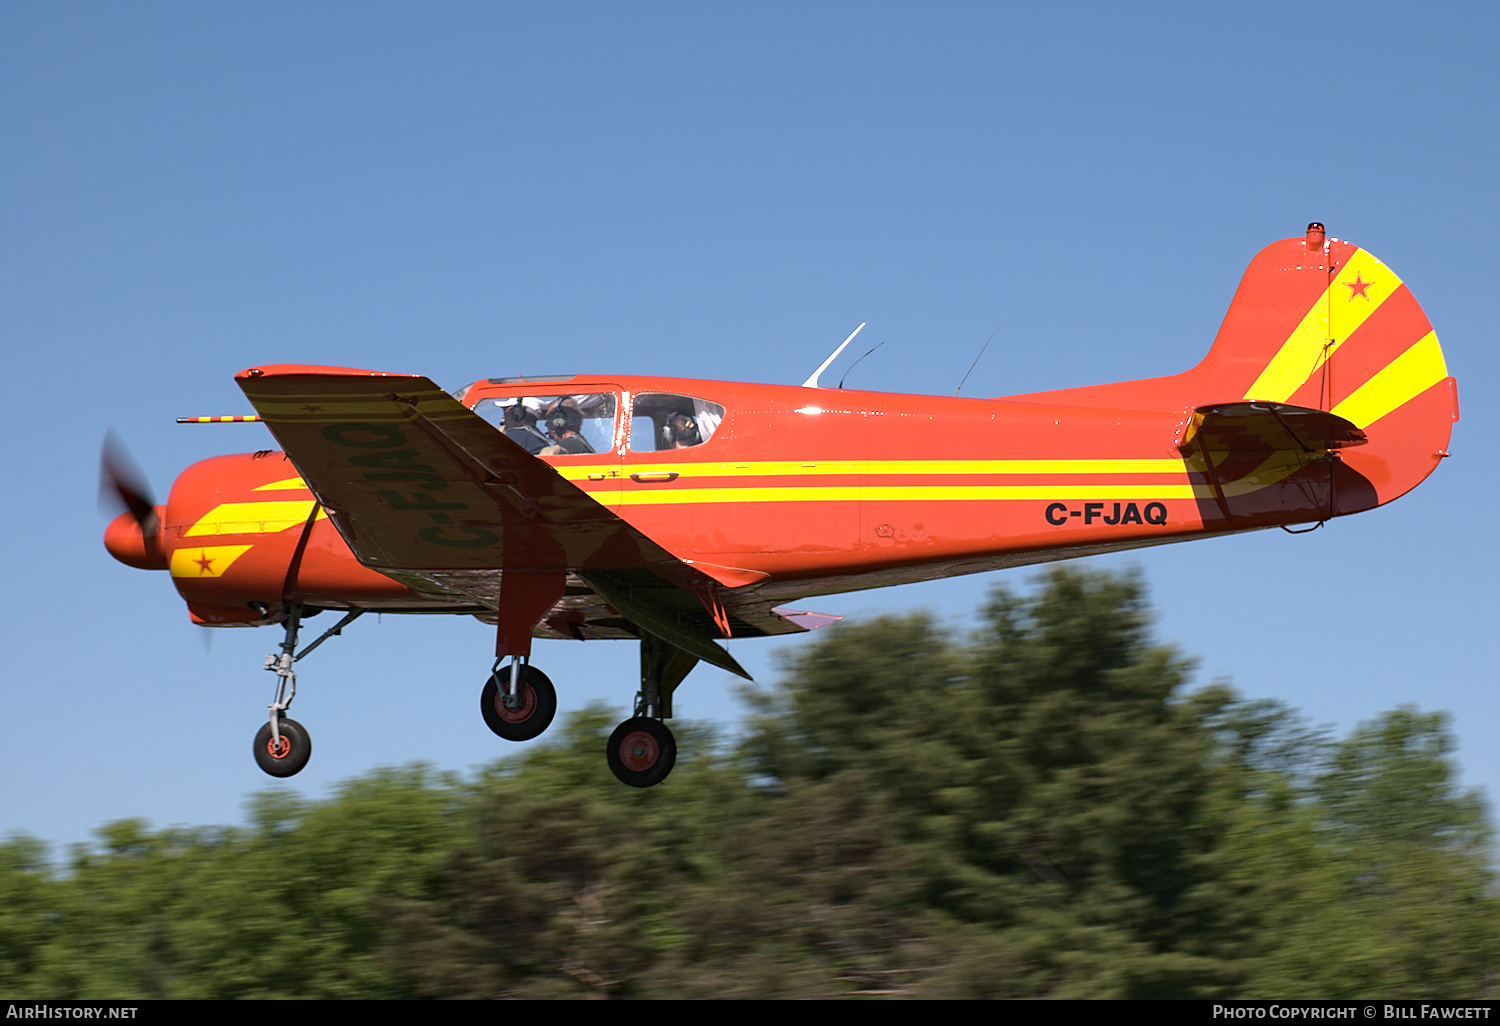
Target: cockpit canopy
584 423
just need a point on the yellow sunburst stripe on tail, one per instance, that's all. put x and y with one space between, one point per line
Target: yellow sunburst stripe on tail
206 560
1398 382
1304 351
253 518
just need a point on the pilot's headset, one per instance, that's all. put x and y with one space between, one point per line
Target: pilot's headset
516 414
564 418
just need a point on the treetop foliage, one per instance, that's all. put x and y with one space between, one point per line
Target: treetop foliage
1040 809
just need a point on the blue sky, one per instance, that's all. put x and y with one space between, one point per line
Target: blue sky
473 190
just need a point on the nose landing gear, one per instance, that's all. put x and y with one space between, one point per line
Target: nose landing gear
283 746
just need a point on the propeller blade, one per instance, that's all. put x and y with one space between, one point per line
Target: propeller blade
122 485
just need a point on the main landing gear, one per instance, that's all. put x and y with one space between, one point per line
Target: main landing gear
641 752
282 746
518 703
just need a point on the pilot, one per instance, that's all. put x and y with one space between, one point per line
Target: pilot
520 427
564 423
682 431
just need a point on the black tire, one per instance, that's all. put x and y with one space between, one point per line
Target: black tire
295 748
642 751
538 704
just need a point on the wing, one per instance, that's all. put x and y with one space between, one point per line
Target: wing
427 492
415 481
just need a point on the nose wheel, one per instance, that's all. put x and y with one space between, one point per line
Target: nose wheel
287 753
641 752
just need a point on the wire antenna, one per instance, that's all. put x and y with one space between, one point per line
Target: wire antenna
976 359
876 346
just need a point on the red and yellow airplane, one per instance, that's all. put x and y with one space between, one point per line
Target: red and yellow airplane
678 512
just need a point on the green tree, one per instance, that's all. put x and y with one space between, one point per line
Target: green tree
1393 896
28 912
1048 780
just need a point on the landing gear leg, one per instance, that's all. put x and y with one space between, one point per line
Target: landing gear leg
283 746
642 751
518 701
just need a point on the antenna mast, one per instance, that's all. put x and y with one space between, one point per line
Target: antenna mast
812 382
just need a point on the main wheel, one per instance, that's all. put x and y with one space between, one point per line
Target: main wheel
531 717
642 752
290 751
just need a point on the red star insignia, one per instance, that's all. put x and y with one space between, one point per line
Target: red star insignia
205 563
1358 287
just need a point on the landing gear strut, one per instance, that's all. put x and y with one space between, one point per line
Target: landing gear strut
283 746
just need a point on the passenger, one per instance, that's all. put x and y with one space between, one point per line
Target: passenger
682 431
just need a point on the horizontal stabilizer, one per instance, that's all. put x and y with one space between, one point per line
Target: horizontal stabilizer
807 621
1262 427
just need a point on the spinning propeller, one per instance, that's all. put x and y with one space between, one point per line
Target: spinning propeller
133 537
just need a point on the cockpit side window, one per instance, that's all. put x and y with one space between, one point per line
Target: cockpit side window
555 425
662 420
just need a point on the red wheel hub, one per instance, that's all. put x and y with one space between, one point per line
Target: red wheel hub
639 751
522 712
278 747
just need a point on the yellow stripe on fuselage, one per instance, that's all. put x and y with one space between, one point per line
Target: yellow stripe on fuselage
827 468
1275 468
1398 382
253 518
895 493
1308 346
